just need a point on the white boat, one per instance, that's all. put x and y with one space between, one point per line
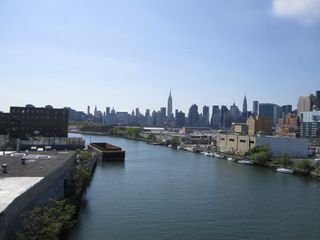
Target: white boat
230 159
248 162
216 155
284 170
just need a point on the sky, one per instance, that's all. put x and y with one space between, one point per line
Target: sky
128 54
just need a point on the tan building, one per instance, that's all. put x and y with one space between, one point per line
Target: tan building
241 128
259 124
304 104
242 144
288 125
235 143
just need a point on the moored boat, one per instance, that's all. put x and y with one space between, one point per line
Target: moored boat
248 162
230 159
285 170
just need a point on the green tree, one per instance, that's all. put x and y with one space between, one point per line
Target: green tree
133 132
284 160
304 165
151 137
81 178
48 222
175 141
261 157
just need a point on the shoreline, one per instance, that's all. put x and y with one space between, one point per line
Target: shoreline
257 164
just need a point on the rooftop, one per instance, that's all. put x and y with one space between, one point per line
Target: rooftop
19 178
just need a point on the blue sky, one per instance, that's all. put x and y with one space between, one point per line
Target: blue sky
126 54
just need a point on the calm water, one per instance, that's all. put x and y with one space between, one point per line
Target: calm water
160 193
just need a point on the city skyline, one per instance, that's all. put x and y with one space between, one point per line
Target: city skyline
127 54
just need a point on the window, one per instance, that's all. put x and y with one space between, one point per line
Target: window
251 142
223 139
231 140
242 141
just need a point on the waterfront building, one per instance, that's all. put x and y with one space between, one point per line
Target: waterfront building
169 116
4 123
255 108
193 116
310 124
270 110
30 185
259 124
242 144
30 121
288 125
216 117
240 128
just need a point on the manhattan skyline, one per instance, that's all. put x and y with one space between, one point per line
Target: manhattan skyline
128 54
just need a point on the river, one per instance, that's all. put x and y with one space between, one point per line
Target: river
161 193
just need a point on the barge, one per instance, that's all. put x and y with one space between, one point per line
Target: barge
108 152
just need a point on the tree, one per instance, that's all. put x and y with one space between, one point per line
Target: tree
304 165
261 157
261 153
175 141
285 160
48 222
151 137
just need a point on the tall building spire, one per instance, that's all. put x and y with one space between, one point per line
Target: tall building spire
169 114
245 106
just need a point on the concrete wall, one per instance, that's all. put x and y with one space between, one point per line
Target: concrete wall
294 147
51 186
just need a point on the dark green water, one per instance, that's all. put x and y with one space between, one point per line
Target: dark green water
160 193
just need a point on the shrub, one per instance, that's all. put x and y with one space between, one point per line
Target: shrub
48 222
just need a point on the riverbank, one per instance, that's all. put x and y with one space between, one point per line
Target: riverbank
272 164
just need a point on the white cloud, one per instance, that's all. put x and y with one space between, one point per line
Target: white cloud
305 11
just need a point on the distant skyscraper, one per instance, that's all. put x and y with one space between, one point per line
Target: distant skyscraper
205 117
304 104
235 113
318 100
88 110
107 111
95 111
193 116
180 119
245 105
169 106
226 119
216 117
270 110
255 108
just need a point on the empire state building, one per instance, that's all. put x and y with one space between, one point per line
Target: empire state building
169 106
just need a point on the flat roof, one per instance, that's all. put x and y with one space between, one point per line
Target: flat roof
20 177
35 167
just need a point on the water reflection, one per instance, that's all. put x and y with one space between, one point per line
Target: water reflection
112 165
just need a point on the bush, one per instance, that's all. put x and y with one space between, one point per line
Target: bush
175 141
304 165
81 178
284 160
48 222
151 137
261 157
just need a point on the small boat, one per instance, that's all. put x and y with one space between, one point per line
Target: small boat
216 155
230 159
248 162
284 170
